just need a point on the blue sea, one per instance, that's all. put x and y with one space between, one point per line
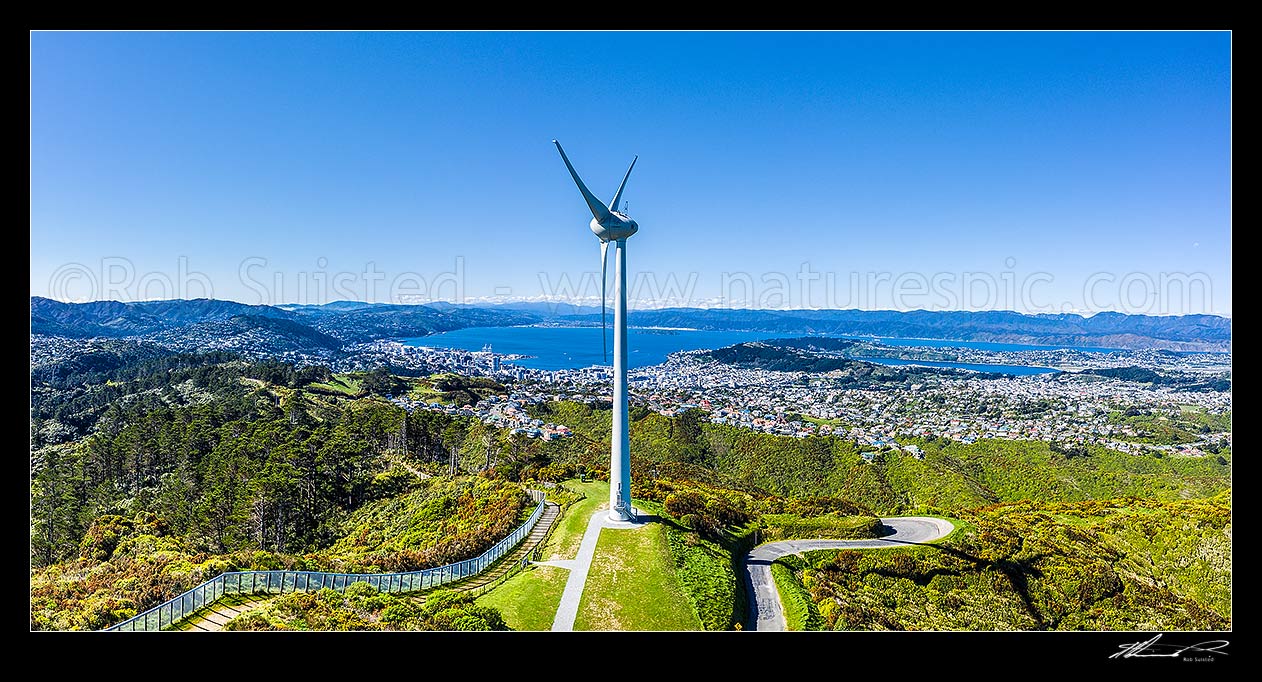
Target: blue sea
576 347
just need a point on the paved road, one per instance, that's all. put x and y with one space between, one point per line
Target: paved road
765 612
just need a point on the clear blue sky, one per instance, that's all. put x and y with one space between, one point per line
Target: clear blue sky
1058 163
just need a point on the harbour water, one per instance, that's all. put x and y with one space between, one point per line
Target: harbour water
575 347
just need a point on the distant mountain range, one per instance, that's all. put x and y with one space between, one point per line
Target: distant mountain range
257 330
1103 330
227 325
114 319
547 309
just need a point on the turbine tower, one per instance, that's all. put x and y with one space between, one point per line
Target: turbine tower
610 225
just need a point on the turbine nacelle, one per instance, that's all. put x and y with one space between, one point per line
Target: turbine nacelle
609 224
617 226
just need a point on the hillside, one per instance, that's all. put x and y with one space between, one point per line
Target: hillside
251 335
757 355
1148 376
152 471
111 318
400 321
1105 330
773 357
351 321
256 329
952 476
1120 564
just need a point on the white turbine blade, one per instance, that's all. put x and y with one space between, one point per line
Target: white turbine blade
604 265
599 210
617 196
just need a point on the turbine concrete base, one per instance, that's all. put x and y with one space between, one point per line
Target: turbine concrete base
625 518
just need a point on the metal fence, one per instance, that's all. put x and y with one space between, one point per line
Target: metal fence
280 582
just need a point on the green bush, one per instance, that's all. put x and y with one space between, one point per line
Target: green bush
705 571
791 526
442 522
1123 564
799 610
362 607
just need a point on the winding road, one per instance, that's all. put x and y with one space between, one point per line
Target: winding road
765 612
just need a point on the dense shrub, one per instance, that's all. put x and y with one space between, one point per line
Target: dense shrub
1124 564
799 611
442 522
708 577
791 526
130 565
362 607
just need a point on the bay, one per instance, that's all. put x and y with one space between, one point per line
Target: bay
555 348
576 347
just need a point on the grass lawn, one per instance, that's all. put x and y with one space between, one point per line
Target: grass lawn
570 528
632 584
423 389
340 383
529 599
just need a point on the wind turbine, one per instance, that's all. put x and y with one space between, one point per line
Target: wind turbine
610 225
